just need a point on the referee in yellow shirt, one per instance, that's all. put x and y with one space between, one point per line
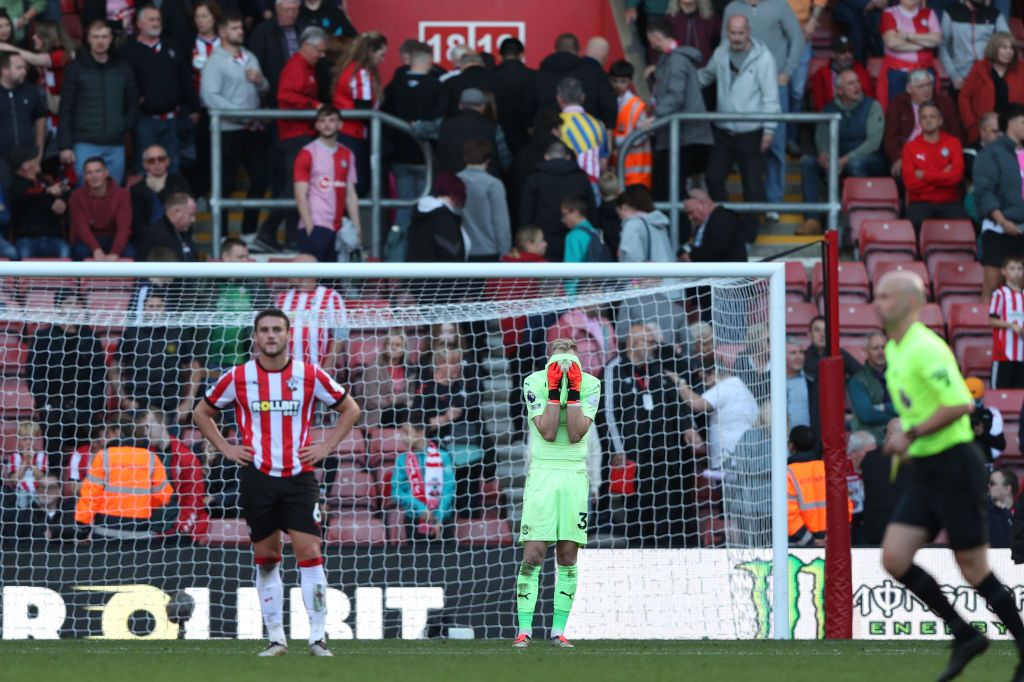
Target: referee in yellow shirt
947 474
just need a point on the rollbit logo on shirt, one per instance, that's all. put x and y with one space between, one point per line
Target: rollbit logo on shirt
286 407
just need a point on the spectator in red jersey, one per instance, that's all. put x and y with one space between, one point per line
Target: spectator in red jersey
933 171
101 216
205 15
593 334
902 120
164 86
319 322
911 35
992 83
185 473
173 231
149 194
296 89
325 191
23 121
26 465
823 81
358 87
385 389
695 24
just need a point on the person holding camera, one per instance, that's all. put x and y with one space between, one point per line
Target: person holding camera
987 422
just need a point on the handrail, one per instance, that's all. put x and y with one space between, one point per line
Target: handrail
376 203
831 207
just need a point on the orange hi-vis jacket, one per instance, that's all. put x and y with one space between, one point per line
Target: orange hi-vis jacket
639 158
124 483
805 505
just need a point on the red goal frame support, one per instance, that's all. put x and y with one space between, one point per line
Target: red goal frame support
832 398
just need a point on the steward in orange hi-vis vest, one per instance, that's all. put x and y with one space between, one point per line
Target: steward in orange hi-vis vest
124 485
639 159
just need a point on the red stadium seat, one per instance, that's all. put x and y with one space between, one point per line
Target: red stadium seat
857 319
362 350
796 282
356 527
967 320
879 268
353 487
953 238
957 283
874 193
1017 29
1012 434
853 282
1006 400
384 446
931 317
486 532
887 240
13 355
858 217
976 360
15 399
228 532
799 316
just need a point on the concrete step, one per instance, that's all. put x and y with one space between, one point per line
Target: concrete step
495 411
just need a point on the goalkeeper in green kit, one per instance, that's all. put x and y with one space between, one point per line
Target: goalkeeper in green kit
561 402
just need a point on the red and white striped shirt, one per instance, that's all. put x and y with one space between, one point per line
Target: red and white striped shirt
354 85
274 410
27 483
317 318
201 51
1007 305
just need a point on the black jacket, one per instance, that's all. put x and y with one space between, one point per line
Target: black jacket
880 494
142 200
154 364
525 164
328 17
163 78
813 356
67 368
164 234
600 98
20 108
627 419
411 97
98 102
516 98
722 240
456 130
435 235
541 200
267 43
475 77
32 210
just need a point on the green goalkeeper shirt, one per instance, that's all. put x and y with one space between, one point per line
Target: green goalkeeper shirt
560 454
922 376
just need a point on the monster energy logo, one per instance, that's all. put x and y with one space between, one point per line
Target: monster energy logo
760 594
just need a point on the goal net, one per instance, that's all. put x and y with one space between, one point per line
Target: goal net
680 460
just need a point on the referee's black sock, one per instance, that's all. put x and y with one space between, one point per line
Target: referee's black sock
924 587
1001 601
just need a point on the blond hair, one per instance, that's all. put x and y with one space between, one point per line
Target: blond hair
527 234
29 429
995 42
704 9
563 345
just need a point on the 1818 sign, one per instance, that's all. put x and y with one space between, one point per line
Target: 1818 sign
482 36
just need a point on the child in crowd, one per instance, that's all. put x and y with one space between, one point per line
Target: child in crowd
1007 318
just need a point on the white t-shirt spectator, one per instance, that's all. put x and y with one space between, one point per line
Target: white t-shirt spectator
735 412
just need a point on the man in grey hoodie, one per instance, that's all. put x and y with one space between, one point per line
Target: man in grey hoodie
485 215
745 72
773 23
676 90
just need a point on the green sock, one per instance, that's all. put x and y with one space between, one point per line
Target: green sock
565 591
527 586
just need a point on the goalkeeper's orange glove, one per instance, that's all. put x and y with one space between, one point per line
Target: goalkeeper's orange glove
575 376
555 375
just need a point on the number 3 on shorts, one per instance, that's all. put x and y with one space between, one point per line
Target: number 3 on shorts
582 525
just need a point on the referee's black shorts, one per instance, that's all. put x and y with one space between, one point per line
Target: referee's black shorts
948 491
272 503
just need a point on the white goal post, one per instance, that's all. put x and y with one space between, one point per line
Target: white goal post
432 293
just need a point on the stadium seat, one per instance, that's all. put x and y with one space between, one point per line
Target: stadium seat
879 268
853 282
1012 434
353 488
874 193
858 217
485 532
887 240
967 320
931 317
1006 400
976 360
857 319
362 350
15 399
13 355
956 283
228 532
799 316
953 238
796 282
1017 29
356 527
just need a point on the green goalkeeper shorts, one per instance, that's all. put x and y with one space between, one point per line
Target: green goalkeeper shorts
555 506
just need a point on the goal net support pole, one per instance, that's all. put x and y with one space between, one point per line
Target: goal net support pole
832 391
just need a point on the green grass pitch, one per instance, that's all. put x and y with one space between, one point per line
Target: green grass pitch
491 661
